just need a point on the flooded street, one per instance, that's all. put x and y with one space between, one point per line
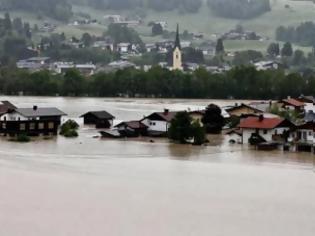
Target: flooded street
90 186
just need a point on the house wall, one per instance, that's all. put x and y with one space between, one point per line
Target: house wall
237 138
268 135
309 107
305 135
14 116
156 125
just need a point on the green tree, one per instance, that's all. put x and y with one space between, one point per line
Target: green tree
181 128
273 49
287 50
213 119
219 49
157 29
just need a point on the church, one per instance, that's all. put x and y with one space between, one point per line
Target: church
177 53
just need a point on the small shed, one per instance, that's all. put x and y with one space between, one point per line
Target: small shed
101 119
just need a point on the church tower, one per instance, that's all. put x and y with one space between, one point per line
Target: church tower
177 53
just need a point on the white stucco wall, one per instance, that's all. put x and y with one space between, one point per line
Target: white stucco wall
12 117
156 125
309 107
247 133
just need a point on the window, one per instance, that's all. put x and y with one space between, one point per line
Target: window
22 126
310 133
32 126
41 126
51 125
265 131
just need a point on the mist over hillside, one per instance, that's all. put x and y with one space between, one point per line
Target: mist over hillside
62 9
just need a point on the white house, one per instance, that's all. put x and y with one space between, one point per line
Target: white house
62 67
304 133
268 129
158 123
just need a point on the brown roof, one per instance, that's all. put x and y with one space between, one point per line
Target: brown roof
228 110
5 106
260 123
293 102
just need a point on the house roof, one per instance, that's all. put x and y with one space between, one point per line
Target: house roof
40 112
132 124
307 99
261 123
307 126
100 115
231 109
5 106
167 116
293 102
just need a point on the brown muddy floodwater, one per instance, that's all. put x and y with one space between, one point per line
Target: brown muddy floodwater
87 186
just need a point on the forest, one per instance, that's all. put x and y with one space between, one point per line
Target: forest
58 9
239 9
239 83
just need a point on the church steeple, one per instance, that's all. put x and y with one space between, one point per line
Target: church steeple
177 40
177 53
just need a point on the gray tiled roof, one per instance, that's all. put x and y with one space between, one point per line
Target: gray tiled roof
40 112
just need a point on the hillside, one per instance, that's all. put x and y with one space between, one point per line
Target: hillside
204 21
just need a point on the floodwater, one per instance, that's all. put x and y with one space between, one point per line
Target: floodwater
90 186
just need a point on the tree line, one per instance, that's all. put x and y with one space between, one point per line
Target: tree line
303 34
239 9
58 9
239 83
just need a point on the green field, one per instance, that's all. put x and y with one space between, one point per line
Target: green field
203 22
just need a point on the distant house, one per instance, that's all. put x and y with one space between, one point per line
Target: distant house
158 123
101 119
34 63
309 103
85 69
31 121
292 104
266 129
242 110
268 65
132 129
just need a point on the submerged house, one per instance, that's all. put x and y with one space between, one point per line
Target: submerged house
101 119
132 129
31 121
265 129
242 110
158 123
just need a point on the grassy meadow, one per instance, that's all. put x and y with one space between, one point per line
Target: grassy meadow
204 21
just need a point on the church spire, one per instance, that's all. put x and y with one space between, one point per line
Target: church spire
177 40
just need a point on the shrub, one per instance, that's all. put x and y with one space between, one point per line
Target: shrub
69 129
23 138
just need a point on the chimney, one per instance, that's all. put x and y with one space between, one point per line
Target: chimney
166 111
35 108
261 118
